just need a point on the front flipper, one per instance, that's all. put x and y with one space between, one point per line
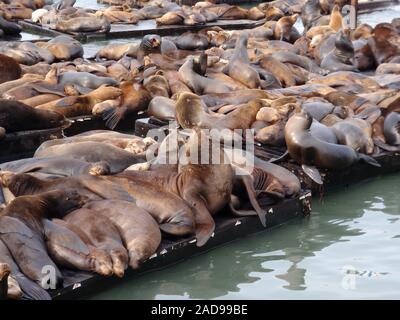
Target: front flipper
313 173
367 159
182 224
252 194
205 224
386 146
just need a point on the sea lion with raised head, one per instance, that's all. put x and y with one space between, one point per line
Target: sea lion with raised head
239 67
310 151
198 83
137 228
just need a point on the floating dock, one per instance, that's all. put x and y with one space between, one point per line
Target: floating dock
140 29
23 144
171 251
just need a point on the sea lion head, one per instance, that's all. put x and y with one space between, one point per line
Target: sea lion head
383 31
151 41
61 202
101 262
54 119
344 46
301 120
101 168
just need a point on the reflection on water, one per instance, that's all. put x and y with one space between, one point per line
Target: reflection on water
348 248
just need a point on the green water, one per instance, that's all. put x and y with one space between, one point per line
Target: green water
347 249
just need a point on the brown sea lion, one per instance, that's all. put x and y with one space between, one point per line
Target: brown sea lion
63 48
116 51
380 45
9 69
19 286
198 83
239 67
103 235
74 106
67 249
17 116
83 24
22 219
162 108
157 85
56 167
363 31
386 68
134 98
278 69
391 128
190 113
363 55
9 287
273 13
284 29
309 151
310 13
137 228
93 152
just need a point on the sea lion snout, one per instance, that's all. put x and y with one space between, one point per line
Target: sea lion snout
5 178
4 271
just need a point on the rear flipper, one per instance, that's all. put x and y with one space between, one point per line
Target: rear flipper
313 173
234 206
281 158
368 159
113 116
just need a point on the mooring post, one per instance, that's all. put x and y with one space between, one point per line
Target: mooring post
354 13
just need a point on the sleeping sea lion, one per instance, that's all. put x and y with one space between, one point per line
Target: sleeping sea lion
103 234
138 230
17 116
391 128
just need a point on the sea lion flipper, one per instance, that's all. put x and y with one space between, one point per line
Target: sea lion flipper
113 116
313 173
31 290
386 146
369 160
251 193
205 224
281 158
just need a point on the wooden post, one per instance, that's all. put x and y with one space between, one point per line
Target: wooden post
354 13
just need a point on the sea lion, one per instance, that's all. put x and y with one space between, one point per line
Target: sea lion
310 13
19 286
280 71
138 230
67 249
17 116
93 152
340 59
198 83
75 106
284 29
134 98
363 56
162 108
9 69
387 68
116 51
103 235
85 79
391 128
190 113
353 136
380 44
310 151
83 24
157 85
63 48
56 166
192 41
9 27
22 219
28 249
239 67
